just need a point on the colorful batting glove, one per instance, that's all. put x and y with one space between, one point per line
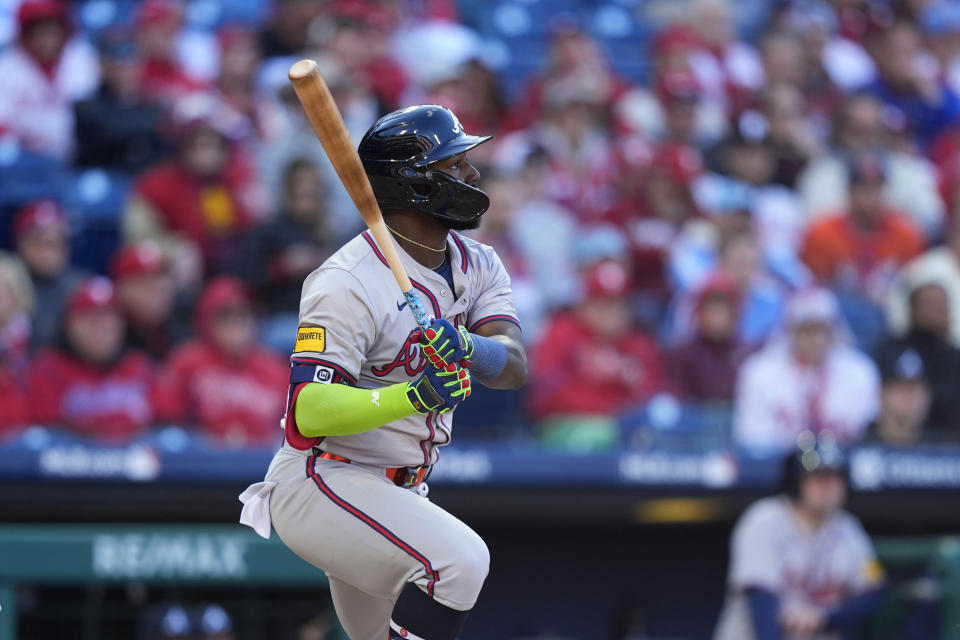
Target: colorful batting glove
444 344
439 389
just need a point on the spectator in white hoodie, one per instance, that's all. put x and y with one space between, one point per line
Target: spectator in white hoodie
807 379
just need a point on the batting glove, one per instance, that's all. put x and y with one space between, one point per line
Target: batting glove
439 389
444 344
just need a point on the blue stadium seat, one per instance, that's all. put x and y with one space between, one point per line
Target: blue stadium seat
96 199
667 424
491 414
26 176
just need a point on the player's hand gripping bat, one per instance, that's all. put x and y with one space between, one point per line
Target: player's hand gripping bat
330 129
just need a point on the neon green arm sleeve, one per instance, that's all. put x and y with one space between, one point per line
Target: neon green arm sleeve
339 410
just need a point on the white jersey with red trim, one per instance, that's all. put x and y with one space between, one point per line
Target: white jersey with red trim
355 328
771 550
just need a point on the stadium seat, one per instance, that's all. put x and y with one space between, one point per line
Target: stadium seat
665 423
96 199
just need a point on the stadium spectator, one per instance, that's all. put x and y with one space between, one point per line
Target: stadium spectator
162 79
145 294
790 136
862 250
728 69
193 204
910 87
117 127
800 566
861 125
40 234
704 368
43 72
591 364
280 252
224 382
941 265
928 335
575 63
90 383
16 303
805 380
286 34
904 399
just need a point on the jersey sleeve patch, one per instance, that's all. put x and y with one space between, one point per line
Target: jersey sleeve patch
312 339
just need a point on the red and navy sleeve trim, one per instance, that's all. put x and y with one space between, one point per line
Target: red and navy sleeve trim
393 538
376 249
495 318
343 376
463 252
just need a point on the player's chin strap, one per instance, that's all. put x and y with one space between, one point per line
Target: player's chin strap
417 616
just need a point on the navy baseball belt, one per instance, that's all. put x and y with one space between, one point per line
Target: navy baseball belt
400 476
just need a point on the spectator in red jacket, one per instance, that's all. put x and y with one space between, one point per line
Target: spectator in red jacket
91 384
16 301
705 366
862 251
224 382
193 205
592 363
145 294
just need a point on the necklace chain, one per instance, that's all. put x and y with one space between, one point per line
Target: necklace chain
419 244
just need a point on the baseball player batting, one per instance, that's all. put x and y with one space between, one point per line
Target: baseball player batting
371 402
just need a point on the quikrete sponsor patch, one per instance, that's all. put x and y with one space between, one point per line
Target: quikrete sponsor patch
311 339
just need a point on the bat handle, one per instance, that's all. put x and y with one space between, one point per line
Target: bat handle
416 308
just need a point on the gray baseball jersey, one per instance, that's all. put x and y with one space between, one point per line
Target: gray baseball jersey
771 550
355 328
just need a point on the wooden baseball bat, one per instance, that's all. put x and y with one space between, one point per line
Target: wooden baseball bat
332 132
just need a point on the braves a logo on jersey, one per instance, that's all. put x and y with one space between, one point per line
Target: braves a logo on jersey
410 357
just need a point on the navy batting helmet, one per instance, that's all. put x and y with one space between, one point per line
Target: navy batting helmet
809 457
397 152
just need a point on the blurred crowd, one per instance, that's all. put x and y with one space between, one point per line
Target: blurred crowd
754 238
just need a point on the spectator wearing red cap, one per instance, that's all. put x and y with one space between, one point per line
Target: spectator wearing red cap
40 234
592 363
704 368
118 126
145 294
43 73
667 208
16 303
193 205
809 379
91 384
224 381
862 250
162 79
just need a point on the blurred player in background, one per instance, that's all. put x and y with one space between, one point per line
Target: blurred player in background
801 566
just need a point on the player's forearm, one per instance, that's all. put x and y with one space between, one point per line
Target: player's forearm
339 410
514 372
764 607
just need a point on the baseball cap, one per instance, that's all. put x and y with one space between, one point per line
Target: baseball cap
815 305
719 285
33 11
158 12
607 279
138 259
94 294
904 365
39 214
